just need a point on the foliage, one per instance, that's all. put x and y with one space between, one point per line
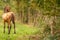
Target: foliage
42 14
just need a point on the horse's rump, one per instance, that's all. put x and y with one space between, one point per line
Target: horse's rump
8 15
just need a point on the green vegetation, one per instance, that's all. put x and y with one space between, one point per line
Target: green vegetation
35 19
22 32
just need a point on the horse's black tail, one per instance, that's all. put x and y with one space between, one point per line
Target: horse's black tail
13 18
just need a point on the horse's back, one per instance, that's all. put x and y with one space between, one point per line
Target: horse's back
7 15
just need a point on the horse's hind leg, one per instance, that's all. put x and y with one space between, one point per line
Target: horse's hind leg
9 27
14 27
4 27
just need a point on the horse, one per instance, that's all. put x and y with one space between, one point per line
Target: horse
8 18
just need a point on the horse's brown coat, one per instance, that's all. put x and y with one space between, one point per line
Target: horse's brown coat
8 17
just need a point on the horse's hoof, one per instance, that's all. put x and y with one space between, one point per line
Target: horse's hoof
14 32
8 33
3 32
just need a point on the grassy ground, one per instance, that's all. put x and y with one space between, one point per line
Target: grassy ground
22 31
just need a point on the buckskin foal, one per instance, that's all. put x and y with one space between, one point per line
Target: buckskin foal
8 18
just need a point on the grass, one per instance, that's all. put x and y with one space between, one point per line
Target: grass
21 32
